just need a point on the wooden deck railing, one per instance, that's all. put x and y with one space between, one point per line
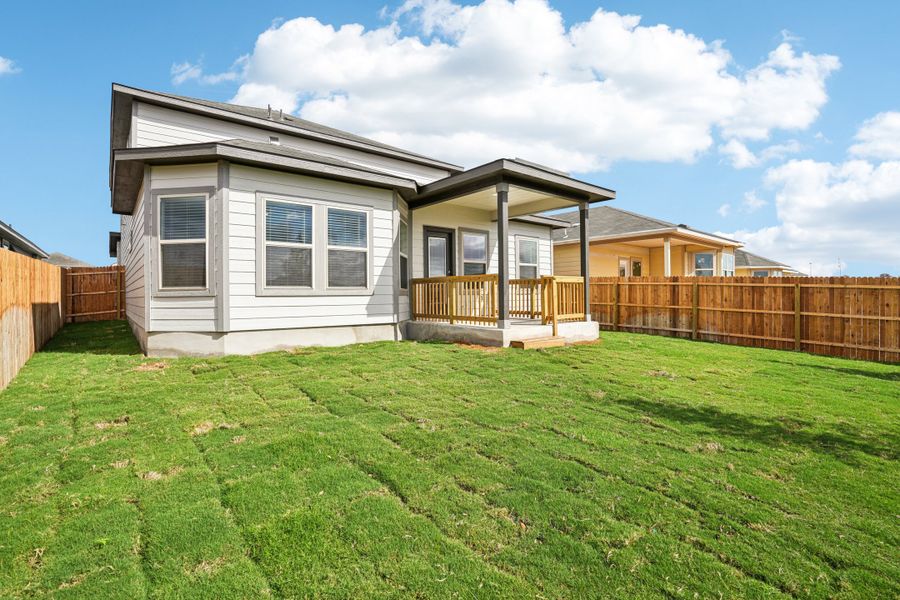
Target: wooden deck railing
472 299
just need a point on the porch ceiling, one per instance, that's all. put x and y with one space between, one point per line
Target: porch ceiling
532 189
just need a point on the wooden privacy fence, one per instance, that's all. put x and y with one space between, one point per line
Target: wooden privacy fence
95 293
850 317
31 309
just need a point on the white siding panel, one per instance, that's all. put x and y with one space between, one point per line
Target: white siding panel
158 126
252 312
132 251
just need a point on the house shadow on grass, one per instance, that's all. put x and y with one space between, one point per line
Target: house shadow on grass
840 441
97 337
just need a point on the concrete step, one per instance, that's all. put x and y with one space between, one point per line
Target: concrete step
540 342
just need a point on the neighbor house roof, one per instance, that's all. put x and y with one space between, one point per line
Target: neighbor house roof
265 118
114 238
746 260
609 223
64 260
10 234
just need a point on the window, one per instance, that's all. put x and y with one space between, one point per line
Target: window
289 244
637 267
704 264
404 255
182 242
528 259
474 252
623 267
728 265
348 248
760 273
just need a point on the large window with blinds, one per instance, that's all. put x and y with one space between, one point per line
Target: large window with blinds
289 245
182 242
348 248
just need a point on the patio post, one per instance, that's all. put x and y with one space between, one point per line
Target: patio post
667 257
503 255
585 257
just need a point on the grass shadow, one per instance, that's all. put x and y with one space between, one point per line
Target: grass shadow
841 442
858 372
97 337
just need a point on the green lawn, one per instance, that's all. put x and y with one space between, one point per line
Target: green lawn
638 467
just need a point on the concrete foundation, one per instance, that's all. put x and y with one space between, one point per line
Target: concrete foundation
575 331
173 344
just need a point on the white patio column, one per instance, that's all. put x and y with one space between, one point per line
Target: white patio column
584 208
503 258
667 257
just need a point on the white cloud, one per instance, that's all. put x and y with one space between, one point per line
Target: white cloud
188 71
445 80
879 137
8 66
826 211
724 210
741 157
751 202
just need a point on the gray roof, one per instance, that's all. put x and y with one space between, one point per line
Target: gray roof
609 221
281 119
742 258
64 260
8 233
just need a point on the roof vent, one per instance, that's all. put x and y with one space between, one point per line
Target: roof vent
683 226
268 111
273 139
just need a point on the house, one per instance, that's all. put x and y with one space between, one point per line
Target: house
626 244
64 260
12 240
747 265
247 229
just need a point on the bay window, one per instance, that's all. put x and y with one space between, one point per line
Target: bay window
182 242
288 244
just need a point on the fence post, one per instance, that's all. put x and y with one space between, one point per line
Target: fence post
615 319
695 310
452 291
797 316
554 304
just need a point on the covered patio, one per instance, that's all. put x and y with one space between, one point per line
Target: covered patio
447 305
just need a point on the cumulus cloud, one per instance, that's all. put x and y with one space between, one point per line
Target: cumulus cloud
188 71
724 210
829 211
444 79
8 66
879 137
741 157
751 202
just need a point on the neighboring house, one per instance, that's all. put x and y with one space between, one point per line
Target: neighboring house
115 239
10 239
64 260
247 229
627 244
753 265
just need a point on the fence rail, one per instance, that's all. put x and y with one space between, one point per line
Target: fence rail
31 309
851 317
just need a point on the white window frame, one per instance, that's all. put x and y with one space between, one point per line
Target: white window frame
266 243
727 272
158 198
368 248
536 265
462 250
403 250
694 264
760 273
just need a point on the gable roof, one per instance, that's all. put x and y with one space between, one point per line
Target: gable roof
745 259
8 233
609 222
264 118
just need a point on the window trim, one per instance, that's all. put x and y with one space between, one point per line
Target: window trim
368 249
291 289
536 265
212 238
694 263
319 247
722 265
461 251
760 273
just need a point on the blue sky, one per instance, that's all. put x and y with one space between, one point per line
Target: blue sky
54 111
